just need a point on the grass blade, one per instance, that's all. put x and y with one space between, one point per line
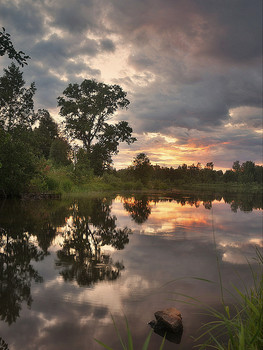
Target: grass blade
147 341
130 344
102 344
162 345
118 334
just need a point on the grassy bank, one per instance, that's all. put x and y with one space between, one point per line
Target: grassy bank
64 180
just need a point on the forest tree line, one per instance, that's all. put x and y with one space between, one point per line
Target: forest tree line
243 173
39 155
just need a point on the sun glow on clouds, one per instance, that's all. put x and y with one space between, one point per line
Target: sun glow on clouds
169 152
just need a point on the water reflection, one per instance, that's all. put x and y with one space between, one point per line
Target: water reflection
26 232
3 345
16 272
87 242
81 257
138 207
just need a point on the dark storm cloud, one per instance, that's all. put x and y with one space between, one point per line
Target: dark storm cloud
75 16
24 17
48 86
107 45
229 31
205 56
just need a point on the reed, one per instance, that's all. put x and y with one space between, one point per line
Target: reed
128 345
239 327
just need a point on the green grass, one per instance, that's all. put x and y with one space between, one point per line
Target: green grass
128 344
238 326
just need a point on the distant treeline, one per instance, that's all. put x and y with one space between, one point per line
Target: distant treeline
247 172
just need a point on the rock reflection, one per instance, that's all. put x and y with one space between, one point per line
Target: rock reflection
81 257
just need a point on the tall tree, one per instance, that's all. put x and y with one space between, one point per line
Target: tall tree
87 108
142 167
16 101
45 133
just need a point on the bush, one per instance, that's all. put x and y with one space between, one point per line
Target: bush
37 185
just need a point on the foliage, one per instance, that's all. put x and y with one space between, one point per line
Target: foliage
45 133
7 47
87 108
17 160
16 101
59 152
142 168
157 177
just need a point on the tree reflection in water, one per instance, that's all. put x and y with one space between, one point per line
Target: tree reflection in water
27 230
81 257
3 344
16 272
139 208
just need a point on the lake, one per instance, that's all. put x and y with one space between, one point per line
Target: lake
67 266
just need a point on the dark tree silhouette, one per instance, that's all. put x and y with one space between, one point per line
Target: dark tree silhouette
87 108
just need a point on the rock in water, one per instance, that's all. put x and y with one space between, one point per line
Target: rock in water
169 324
169 319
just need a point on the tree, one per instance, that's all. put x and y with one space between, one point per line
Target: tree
248 171
87 108
82 171
16 101
18 163
45 134
6 47
209 166
236 166
107 145
142 167
59 151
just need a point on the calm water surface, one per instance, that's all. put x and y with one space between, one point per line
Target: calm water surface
67 266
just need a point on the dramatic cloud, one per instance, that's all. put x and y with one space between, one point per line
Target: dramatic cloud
192 69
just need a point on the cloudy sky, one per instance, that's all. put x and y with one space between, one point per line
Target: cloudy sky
192 69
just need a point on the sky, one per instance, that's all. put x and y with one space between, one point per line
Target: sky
192 69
